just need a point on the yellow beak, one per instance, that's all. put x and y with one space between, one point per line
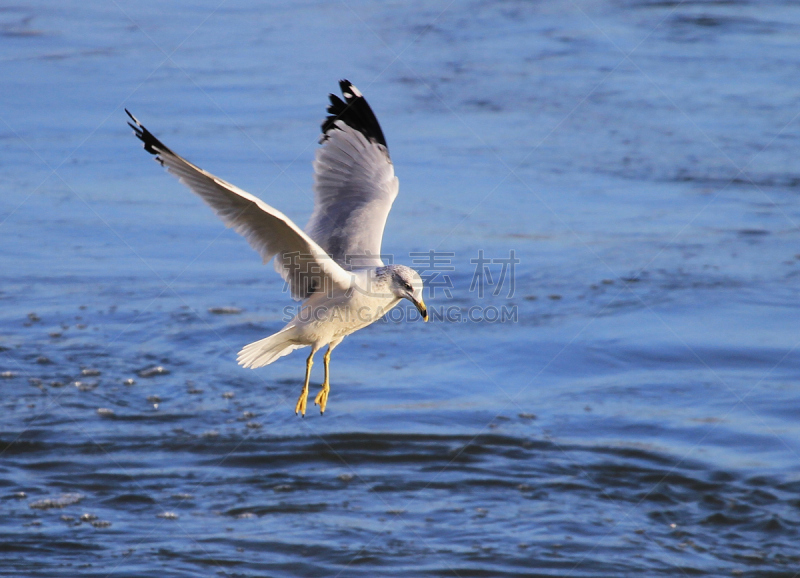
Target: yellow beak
422 310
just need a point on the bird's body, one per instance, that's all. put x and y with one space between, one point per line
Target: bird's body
334 267
328 318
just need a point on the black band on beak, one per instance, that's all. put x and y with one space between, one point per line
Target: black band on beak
422 310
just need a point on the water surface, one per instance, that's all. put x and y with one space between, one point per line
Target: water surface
640 416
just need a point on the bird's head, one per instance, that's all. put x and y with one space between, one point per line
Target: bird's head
407 284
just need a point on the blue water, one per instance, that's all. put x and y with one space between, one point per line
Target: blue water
638 417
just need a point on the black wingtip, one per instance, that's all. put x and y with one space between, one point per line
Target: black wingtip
151 143
354 112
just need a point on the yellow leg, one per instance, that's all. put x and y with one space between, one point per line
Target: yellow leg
301 402
322 397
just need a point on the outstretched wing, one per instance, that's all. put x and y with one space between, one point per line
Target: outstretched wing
354 183
299 260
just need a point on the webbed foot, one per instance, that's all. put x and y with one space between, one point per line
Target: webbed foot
301 403
322 397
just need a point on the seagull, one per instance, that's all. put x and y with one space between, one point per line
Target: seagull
334 266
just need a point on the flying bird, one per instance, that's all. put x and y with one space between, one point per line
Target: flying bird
334 266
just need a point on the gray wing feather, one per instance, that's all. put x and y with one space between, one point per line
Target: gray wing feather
354 183
299 260
354 187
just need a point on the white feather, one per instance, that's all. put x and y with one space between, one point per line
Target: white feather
354 187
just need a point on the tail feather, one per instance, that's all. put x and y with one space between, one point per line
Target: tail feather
265 351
